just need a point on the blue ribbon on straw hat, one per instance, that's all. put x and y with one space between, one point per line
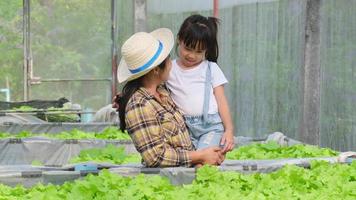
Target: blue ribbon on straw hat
142 52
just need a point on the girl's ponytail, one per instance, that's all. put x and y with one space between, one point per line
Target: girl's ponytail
212 52
213 24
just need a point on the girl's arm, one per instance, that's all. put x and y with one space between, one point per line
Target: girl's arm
228 137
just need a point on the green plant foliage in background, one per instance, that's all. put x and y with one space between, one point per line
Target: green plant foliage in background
110 133
109 154
69 40
56 114
11 48
272 150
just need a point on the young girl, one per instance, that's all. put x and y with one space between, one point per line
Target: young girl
197 84
146 109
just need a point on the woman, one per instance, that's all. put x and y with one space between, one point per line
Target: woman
147 111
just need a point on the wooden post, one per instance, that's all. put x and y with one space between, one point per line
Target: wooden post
309 129
140 15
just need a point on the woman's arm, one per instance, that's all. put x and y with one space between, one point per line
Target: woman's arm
228 138
148 137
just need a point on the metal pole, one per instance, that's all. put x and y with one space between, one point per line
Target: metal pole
27 48
26 38
216 8
114 35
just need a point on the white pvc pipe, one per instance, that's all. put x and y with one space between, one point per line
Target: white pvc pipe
7 93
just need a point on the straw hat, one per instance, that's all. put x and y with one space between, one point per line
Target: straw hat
144 51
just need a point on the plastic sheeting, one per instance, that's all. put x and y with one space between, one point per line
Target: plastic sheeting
13 118
56 152
178 176
267 166
278 137
40 104
53 127
28 175
107 114
51 152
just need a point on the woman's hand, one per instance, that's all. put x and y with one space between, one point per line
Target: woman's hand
209 155
227 141
212 156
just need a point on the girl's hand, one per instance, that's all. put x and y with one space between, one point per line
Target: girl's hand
115 101
227 141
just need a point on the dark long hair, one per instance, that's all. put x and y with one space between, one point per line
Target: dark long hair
201 30
127 91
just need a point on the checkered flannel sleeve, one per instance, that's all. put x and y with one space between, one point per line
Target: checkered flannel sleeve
149 138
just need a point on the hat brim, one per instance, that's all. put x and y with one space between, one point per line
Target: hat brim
165 36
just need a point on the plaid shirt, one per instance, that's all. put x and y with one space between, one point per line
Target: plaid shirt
158 129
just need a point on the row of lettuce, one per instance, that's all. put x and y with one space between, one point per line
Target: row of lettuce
321 181
271 150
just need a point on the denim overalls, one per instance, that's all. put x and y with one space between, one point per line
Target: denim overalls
205 130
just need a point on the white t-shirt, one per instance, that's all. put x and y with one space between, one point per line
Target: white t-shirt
188 87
